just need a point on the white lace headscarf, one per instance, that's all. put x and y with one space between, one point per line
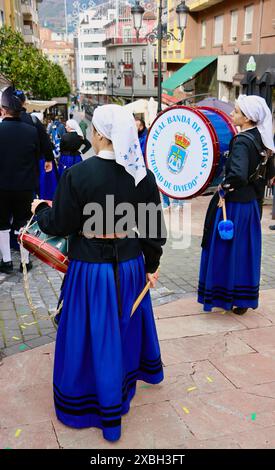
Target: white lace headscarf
255 108
118 125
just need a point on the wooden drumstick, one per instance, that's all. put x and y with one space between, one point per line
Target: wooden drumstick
141 296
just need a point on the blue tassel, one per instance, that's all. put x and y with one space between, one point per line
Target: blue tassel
225 227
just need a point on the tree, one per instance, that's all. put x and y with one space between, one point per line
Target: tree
29 69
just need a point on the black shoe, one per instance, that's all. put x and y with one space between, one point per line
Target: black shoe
28 266
272 227
239 310
6 267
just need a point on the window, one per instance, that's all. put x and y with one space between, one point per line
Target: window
127 34
144 79
143 54
128 56
128 80
248 23
218 35
203 33
1 18
234 26
156 81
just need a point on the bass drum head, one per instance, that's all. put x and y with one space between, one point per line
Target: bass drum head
182 151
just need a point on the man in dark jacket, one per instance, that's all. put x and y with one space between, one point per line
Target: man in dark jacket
19 149
44 139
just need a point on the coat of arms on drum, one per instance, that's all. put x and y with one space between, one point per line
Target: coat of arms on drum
178 153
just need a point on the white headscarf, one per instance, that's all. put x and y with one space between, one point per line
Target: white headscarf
118 125
255 108
73 124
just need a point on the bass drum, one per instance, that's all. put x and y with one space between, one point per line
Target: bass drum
186 149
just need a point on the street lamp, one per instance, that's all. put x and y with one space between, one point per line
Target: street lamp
142 66
158 34
137 11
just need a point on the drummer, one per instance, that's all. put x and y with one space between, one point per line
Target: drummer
230 270
70 146
100 351
19 149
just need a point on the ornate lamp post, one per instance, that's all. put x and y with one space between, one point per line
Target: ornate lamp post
158 34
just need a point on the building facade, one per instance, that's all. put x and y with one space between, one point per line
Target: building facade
11 14
92 52
60 52
233 31
131 62
29 9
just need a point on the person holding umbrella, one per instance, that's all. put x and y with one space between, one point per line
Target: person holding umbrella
230 269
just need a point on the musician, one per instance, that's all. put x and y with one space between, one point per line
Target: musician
100 351
230 270
19 149
70 146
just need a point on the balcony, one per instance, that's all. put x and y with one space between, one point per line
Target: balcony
28 11
123 41
198 5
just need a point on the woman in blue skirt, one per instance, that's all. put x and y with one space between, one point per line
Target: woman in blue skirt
70 146
230 269
101 350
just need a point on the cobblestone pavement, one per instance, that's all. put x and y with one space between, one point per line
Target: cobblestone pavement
21 330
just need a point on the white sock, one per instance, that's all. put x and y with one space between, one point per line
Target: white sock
5 245
25 255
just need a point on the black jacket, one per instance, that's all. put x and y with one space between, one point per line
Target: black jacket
19 155
44 139
71 143
241 164
90 182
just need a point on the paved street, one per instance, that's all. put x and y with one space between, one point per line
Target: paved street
21 329
219 368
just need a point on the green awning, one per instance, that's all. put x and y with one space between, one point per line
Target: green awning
187 72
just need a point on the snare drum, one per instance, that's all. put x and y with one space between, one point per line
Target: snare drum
51 250
186 149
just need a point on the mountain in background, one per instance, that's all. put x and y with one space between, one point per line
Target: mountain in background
52 13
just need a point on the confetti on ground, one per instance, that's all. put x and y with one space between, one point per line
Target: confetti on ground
190 389
185 410
145 386
18 432
253 416
22 347
209 379
24 316
23 327
30 324
16 338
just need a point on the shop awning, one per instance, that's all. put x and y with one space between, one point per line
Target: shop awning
187 72
170 100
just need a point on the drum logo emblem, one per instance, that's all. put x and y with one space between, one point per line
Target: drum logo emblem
178 153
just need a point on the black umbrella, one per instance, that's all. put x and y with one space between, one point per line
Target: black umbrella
266 83
249 83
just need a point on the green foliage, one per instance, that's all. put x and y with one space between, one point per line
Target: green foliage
29 69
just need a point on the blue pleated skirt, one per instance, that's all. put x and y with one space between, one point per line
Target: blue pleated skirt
47 181
230 269
99 355
66 161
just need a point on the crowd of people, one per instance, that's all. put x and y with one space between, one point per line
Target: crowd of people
101 348
34 155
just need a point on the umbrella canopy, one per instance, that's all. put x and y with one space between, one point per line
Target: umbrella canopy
38 106
218 104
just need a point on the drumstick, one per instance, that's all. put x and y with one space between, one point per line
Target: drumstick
141 296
